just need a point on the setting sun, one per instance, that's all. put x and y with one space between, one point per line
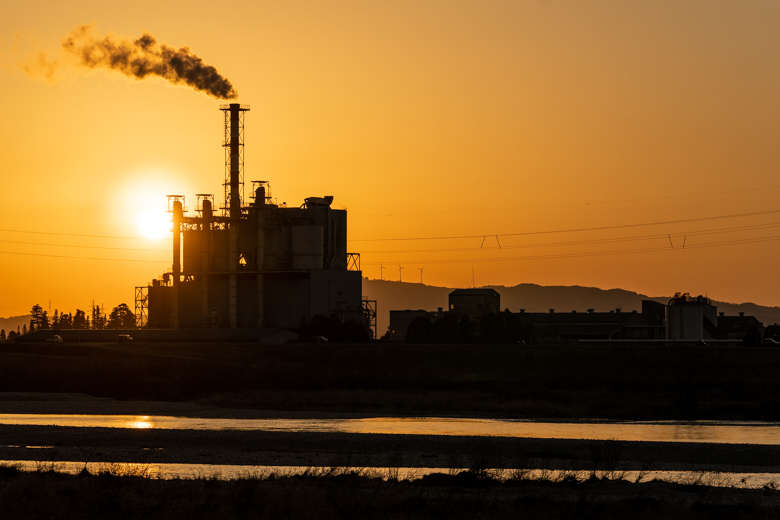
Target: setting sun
154 224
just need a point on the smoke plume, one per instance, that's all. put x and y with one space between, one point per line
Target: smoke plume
145 57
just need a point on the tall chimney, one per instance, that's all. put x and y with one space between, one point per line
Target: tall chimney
234 156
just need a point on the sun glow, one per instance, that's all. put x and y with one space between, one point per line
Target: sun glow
154 224
141 422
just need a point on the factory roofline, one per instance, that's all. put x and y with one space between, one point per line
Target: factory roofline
473 291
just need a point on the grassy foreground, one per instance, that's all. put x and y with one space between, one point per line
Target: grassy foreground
349 494
591 381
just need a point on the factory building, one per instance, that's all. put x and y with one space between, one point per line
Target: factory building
615 324
254 264
684 319
474 302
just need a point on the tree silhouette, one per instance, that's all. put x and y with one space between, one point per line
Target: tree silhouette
332 329
39 319
66 321
773 332
80 320
98 321
492 328
121 317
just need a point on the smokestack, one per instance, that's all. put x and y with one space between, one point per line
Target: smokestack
235 199
234 156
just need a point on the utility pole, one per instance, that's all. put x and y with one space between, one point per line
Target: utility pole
399 273
421 270
381 268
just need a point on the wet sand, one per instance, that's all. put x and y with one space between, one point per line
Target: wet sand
51 443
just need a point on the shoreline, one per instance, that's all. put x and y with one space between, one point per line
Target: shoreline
332 449
24 403
268 448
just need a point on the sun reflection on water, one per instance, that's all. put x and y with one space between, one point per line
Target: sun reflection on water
140 423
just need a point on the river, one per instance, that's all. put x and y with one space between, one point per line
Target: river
727 432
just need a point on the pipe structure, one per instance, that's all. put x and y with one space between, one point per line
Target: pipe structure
234 169
233 276
260 266
206 261
177 218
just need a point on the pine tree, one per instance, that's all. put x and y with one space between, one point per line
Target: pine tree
121 318
98 321
39 319
66 321
2 334
80 320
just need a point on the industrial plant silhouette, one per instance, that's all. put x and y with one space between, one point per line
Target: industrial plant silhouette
253 265
254 269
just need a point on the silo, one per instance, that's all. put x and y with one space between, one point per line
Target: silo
686 322
691 318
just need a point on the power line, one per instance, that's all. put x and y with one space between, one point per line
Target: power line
60 217
70 234
83 247
577 230
582 242
573 204
594 253
85 257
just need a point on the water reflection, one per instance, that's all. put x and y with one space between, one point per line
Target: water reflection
695 431
140 423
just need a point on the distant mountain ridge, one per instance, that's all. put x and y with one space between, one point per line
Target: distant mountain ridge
11 323
391 295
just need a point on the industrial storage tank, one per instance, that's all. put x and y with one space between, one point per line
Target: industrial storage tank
691 318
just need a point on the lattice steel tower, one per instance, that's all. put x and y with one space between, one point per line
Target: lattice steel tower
233 143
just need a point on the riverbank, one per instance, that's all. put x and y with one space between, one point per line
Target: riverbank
145 444
608 382
322 449
363 494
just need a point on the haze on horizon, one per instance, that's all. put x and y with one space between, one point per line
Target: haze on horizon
548 142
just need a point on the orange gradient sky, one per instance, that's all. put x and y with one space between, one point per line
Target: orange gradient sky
424 119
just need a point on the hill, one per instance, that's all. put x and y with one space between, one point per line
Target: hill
391 295
11 323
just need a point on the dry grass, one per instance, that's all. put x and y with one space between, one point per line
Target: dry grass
352 492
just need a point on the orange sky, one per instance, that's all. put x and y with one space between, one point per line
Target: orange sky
423 119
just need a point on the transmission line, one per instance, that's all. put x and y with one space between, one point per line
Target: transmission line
84 257
577 230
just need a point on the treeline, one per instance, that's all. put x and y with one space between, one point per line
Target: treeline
121 317
331 329
491 329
